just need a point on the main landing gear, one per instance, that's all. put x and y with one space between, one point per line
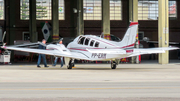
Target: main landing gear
113 65
71 64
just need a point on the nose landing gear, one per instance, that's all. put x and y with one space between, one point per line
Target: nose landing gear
71 64
113 65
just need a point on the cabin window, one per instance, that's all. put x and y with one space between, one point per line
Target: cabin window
81 40
92 43
97 44
87 41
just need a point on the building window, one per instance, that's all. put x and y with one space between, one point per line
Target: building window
1 9
43 9
24 9
172 9
148 9
115 10
92 9
61 9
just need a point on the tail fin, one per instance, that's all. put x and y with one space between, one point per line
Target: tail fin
130 36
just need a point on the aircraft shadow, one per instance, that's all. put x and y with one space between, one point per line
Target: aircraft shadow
121 69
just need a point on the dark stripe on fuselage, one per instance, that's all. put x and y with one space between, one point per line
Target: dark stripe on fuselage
84 54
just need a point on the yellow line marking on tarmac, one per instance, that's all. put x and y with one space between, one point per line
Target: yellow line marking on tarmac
94 88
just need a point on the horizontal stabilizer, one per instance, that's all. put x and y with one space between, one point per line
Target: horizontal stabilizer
151 50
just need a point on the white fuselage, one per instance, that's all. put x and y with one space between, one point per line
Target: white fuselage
97 48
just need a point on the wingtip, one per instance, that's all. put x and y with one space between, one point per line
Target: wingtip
174 48
3 47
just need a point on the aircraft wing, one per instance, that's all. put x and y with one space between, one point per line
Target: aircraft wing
151 50
69 54
31 50
31 45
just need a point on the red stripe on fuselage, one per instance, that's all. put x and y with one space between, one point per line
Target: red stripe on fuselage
128 46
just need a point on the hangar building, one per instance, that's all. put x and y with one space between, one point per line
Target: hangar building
158 20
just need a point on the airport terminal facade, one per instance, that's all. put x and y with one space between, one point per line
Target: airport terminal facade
17 17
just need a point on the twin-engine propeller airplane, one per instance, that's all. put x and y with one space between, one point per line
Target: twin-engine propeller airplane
94 48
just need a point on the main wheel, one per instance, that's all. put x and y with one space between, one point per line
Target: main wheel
69 66
72 64
113 65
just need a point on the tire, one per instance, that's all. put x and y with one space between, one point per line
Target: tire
113 65
69 67
72 64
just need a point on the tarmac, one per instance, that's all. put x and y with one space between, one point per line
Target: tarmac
91 82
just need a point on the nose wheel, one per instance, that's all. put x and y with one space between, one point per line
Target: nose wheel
113 65
71 64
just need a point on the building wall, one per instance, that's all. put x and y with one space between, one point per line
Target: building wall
67 27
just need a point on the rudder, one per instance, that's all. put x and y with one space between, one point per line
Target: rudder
130 35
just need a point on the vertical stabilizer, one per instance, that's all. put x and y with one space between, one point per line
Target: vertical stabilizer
130 36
